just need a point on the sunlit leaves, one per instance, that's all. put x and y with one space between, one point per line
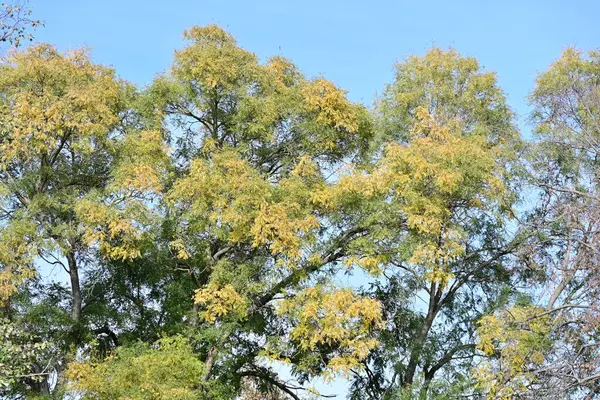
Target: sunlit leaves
331 106
111 229
449 86
271 113
425 179
520 337
55 99
226 197
213 60
219 301
443 188
168 370
336 318
17 253
142 163
567 104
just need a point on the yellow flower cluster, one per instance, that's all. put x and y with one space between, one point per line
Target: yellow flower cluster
219 301
334 317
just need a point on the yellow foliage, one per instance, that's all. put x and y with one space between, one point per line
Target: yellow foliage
423 179
11 279
62 111
143 160
306 168
213 59
107 227
333 317
219 301
284 71
438 167
519 337
227 197
331 105
181 251
222 195
371 264
17 253
77 100
274 226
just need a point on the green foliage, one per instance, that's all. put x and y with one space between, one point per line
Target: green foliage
167 370
19 354
204 223
448 175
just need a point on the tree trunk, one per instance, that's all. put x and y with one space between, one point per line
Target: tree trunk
415 353
425 388
75 286
210 361
41 385
421 337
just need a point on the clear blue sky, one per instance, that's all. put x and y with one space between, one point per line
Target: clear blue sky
354 43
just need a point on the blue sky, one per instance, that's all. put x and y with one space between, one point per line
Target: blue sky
353 43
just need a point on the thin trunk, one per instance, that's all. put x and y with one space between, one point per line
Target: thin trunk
568 275
75 286
421 337
425 387
415 353
41 385
208 364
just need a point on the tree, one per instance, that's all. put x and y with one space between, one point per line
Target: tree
62 144
245 233
560 359
449 173
203 224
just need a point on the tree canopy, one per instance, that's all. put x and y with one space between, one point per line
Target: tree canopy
202 225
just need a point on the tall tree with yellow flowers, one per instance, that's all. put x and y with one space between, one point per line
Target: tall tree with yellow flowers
63 148
448 170
249 241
